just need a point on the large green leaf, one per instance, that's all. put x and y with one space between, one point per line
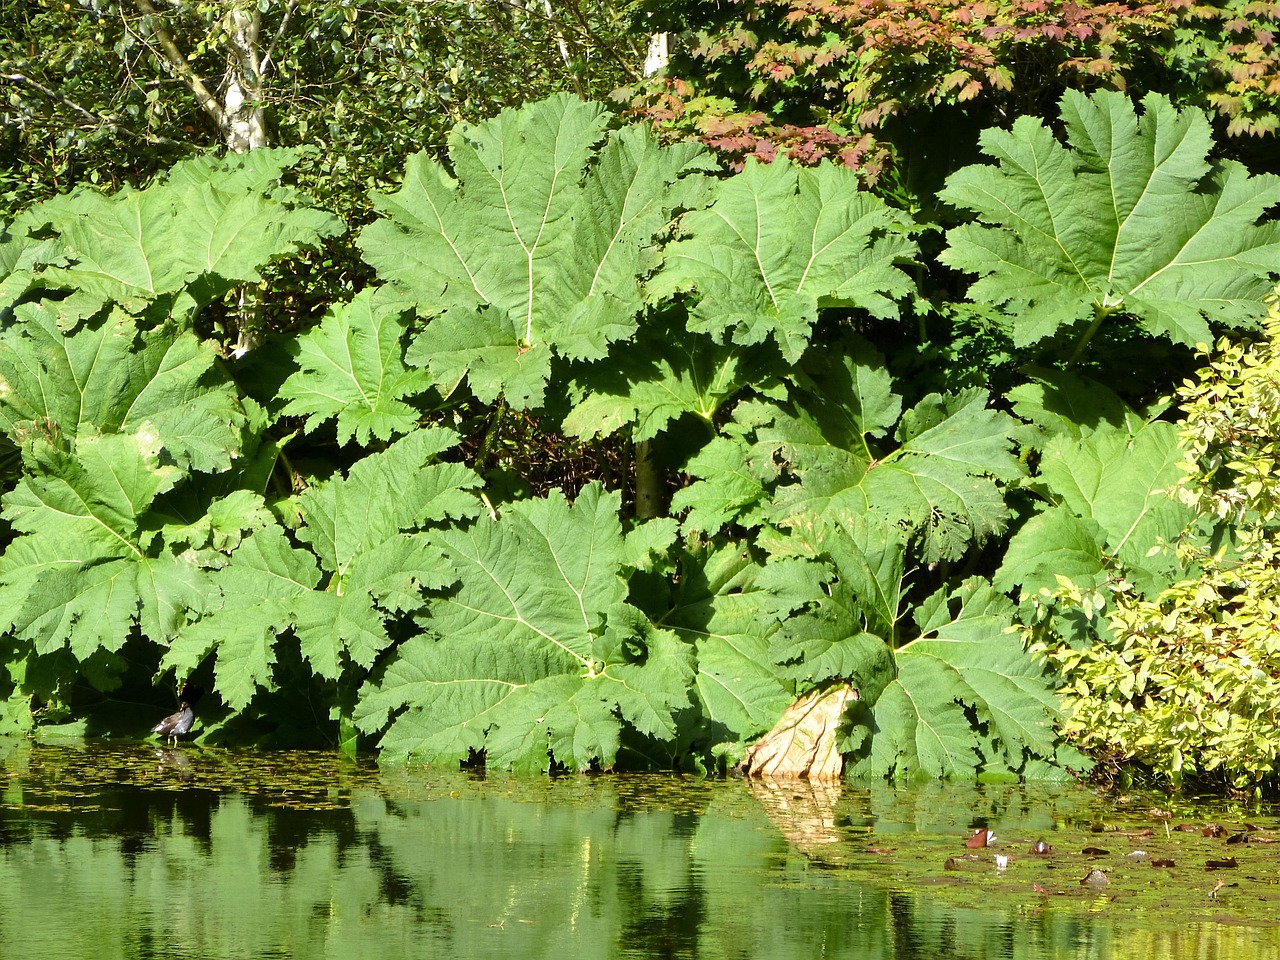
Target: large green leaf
1129 216
257 593
780 241
720 608
362 529
1112 494
848 626
536 250
943 481
79 574
535 657
209 224
352 368
965 659
107 377
655 379
731 491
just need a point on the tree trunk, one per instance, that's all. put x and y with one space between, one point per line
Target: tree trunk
657 56
238 114
242 92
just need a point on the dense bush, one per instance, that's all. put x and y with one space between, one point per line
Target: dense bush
1185 681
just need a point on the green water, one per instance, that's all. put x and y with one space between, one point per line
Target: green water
130 851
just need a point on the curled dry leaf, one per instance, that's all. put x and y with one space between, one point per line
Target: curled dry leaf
982 837
803 744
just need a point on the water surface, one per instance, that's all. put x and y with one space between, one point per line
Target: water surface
129 851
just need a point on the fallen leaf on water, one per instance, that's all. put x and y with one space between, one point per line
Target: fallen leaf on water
1213 830
1227 864
1095 852
1163 863
1094 878
1039 889
980 838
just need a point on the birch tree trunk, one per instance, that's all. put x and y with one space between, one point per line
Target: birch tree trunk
237 112
242 91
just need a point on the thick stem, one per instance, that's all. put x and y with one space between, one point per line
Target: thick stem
649 482
1100 313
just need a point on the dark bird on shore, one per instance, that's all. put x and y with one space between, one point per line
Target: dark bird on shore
179 724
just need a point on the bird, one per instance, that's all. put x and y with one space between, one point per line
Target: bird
179 724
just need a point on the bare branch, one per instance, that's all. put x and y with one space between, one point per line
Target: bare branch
271 48
174 56
97 119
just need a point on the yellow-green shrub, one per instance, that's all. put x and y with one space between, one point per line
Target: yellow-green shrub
1187 682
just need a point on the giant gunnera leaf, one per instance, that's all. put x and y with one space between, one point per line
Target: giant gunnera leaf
967 696
777 243
110 422
944 689
206 225
353 369
534 247
370 560
1128 216
536 658
827 450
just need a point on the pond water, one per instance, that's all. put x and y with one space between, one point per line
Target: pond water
128 851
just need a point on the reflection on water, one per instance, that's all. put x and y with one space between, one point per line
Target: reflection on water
133 852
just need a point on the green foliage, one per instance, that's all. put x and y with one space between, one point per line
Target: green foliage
1105 473
535 252
305 529
775 244
367 564
1182 679
825 449
109 424
205 227
352 369
537 658
945 689
1132 220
